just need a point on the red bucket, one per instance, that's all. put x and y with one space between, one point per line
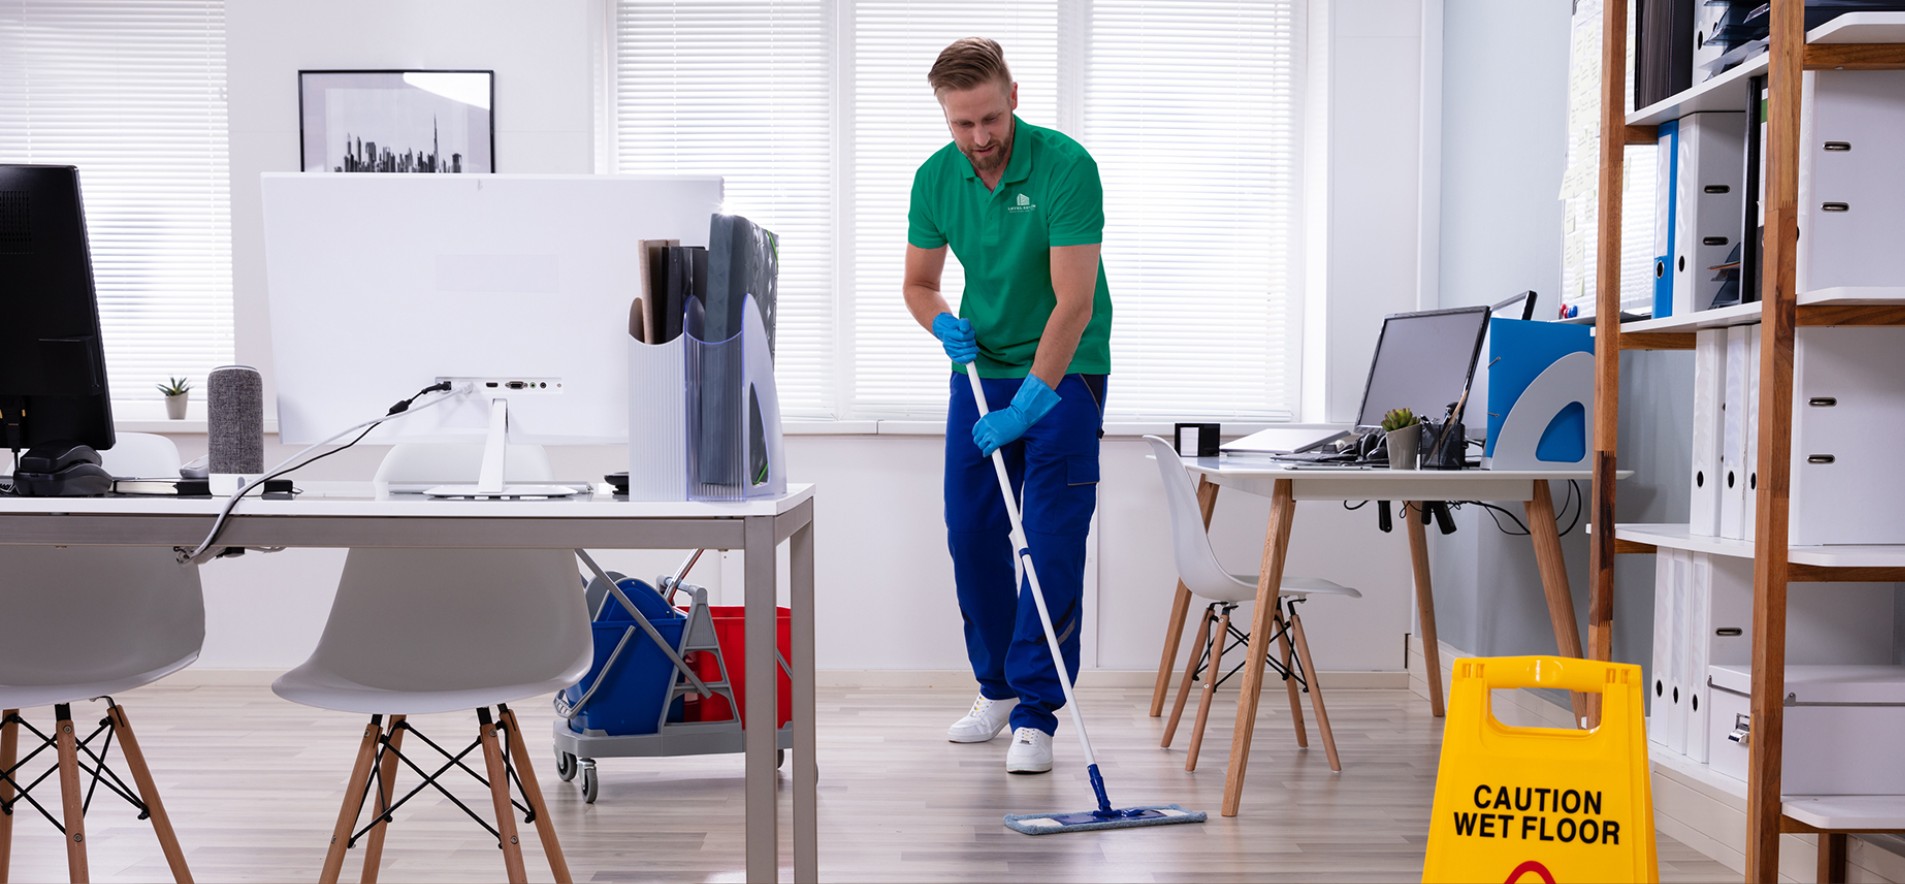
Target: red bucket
730 633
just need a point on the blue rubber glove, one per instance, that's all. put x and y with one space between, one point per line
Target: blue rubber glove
1033 401
956 336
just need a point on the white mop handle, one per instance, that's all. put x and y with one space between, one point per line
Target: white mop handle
1031 576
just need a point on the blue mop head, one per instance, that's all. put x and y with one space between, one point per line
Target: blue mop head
1052 823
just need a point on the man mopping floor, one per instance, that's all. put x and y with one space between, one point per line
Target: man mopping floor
1022 208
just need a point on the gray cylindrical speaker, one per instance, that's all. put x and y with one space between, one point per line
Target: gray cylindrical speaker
235 419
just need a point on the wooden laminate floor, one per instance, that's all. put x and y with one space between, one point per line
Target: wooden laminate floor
253 785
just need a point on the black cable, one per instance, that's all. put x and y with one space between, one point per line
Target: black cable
1358 506
402 406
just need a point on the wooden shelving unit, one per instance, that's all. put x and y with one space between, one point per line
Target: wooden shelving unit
1858 41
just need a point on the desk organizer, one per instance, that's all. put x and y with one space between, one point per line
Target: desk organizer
704 416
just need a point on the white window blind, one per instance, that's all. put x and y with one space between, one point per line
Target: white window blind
1191 114
744 90
133 94
898 369
1190 110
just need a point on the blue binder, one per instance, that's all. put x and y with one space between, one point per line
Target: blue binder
1666 199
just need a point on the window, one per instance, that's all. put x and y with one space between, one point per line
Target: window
1580 185
817 113
133 93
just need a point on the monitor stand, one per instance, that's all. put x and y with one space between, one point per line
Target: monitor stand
489 481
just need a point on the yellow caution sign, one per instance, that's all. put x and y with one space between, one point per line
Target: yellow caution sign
1542 805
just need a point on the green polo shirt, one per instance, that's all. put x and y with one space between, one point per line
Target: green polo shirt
1049 196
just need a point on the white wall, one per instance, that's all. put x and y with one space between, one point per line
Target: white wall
884 576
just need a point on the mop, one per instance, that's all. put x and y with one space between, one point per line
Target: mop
1105 816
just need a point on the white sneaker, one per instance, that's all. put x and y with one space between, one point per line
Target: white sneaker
1031 751
985 721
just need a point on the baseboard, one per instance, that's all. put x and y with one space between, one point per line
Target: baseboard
857 678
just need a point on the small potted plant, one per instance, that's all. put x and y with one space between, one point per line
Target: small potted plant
1404 434
177 392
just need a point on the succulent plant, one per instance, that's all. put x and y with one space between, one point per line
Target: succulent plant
175 387
1397 418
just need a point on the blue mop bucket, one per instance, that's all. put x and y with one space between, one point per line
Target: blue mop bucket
629 699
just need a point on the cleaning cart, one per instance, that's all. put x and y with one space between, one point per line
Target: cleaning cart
660 683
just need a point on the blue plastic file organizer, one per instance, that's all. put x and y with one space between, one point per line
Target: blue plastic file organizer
1540 394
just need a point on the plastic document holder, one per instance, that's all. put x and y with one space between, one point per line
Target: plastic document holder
1540 395
704 416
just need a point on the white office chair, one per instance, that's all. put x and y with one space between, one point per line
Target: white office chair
416 631
85 623
1205 577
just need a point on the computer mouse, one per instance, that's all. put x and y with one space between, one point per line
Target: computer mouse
197 468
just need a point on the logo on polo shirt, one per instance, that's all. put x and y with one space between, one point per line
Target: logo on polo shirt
1021 205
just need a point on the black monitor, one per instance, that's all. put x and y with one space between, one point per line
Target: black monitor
1424 362
52 367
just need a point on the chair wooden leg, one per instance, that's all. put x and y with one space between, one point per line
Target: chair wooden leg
1190 671
1316 691
1289 687
499 796
353 802
149 793
545 826
1211 673
70 794
386 786
9 748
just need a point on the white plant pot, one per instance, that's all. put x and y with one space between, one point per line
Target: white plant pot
175 405
1404 447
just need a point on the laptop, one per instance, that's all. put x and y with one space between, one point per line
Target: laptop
1424 361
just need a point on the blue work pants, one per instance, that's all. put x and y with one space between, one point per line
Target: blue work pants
1054 472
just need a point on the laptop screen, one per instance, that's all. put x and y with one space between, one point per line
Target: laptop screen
1423 363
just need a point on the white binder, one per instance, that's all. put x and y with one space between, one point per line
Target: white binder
1722 606
1733 475
1851 184
1707 205
1749 503
1709 388
1848 415
1667 723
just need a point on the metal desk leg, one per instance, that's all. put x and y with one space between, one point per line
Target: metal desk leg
1180 606
1276 546
1554 582
806 772
763 833
1425 605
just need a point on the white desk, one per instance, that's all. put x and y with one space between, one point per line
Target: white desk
333 514
1285 484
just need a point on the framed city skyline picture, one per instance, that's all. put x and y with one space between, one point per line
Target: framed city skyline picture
397 121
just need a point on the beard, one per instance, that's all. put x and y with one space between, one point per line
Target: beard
992 160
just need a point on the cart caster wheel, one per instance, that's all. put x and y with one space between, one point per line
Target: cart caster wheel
590 785
565 766
780 758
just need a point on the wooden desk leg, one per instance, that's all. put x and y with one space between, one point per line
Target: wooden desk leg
1554 582
1831 868
1276 545
1180 608
1425 604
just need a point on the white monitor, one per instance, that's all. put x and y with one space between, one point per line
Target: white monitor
380 285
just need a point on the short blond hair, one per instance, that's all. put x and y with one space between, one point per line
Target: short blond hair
967 63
